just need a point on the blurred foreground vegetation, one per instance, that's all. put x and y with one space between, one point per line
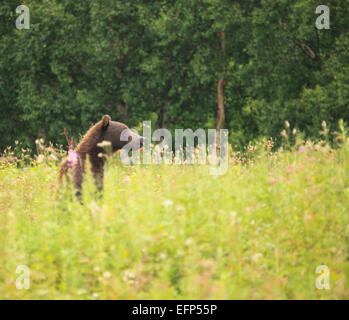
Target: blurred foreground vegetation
175 231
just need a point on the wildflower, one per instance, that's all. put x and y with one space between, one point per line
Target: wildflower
40 158
107 275
96 269
301 149
129 277
233 218
290 169
81 292
236 168
52 157
167 203
324 131
189 242
162 256
272 180
282 178
287 124
256 257
233 215
127 178
73 158
283 133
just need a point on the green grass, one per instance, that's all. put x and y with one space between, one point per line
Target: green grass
176 232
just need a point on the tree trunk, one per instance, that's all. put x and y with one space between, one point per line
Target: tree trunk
220 95
220 112
123 112
163 118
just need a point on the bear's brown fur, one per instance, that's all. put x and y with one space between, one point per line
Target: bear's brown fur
104 130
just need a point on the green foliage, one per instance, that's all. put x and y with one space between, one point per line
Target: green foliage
137 59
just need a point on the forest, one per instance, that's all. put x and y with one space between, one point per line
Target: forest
246 66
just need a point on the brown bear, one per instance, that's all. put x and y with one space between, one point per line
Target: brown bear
104 130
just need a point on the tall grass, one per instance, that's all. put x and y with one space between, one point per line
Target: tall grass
170 231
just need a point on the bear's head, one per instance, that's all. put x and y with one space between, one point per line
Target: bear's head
120 135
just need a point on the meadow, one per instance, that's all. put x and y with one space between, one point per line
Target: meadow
177 232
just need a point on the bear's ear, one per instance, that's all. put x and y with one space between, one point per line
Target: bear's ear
105 121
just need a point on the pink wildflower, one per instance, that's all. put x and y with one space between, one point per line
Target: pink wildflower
301 149
127 178
290 169
73 158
